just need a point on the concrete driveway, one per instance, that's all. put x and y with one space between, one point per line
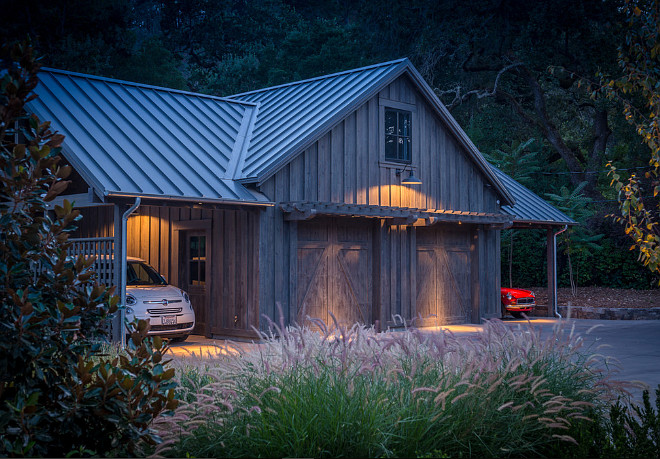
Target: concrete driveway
633 346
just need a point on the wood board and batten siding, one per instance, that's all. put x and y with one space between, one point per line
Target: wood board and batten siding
155 234
346 165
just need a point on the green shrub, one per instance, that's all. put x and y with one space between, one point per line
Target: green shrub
348 393
59 394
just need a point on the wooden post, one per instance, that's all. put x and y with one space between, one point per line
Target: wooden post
116 260
552 281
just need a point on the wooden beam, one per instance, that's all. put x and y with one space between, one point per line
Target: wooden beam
299 215
552 281
500 226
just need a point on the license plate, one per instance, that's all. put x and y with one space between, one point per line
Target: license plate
168 320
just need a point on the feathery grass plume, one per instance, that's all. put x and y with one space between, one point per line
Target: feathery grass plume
332 391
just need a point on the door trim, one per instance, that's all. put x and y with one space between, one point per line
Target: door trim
178 228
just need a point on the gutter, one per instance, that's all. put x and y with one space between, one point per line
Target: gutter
201 200
124 250
554 265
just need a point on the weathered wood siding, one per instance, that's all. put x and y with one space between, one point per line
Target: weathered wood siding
345 164
234 269
489 274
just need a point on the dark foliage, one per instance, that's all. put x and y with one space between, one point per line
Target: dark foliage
488 60
629 431
58 393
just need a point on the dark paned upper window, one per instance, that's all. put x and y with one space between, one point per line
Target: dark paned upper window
398 134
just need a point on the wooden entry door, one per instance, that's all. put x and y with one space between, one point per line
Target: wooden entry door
335 271
443 276
195 274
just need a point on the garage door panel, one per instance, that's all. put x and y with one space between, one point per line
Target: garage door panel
454 282
345 289
443 270
426 284
313 284
353 285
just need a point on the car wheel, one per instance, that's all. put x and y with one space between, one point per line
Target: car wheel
503 310
517 314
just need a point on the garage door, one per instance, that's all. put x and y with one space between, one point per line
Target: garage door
443 276
334 271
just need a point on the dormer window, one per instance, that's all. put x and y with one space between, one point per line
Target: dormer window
398 135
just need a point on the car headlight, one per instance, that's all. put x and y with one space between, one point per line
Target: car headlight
130 300
532 295
129 310
509 296
185 296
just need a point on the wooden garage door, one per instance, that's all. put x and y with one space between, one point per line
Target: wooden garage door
334 271
443 276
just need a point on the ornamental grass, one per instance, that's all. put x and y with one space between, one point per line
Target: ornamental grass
336 392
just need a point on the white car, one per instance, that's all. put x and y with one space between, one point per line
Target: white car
150 297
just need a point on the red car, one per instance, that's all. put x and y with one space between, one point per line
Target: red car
516 301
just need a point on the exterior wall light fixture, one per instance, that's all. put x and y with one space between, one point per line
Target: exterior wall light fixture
411 179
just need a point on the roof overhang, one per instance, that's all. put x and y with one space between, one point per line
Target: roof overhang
202 201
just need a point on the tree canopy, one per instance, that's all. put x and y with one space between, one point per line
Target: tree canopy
509 71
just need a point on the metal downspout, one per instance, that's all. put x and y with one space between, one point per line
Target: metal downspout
124 251
554 265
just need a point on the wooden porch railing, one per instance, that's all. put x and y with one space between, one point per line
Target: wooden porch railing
103 249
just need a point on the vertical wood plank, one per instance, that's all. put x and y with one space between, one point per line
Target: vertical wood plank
164 247
297 178
412 250
475 264
337 164
362 155
374 152
154 237
266 266
324 175
385 185
395 271
292 256
253 269
350 160
405 272
229 287
311 173
243 273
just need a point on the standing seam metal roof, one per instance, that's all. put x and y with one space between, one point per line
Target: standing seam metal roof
529 207
290 114
131 139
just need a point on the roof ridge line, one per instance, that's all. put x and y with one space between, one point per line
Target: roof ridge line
245 135
321 77
145 86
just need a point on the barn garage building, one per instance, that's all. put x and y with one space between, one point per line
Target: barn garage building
355 195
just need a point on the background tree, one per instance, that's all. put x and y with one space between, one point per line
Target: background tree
487 59
637 90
